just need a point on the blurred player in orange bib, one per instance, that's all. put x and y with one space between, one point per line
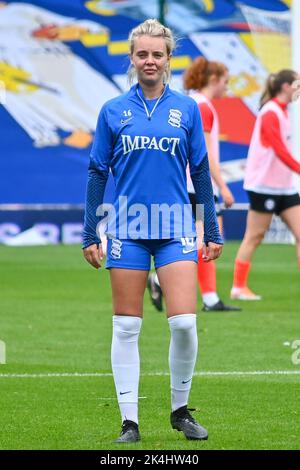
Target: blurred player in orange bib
269 179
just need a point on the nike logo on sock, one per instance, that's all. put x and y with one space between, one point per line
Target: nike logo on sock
124 393
186 381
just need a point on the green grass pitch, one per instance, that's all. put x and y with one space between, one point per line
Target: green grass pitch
55 318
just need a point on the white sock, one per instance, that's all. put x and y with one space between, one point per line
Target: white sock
125 362
210 299
182 357
156 280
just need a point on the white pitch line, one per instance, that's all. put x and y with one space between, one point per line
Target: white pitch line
151 374
115 398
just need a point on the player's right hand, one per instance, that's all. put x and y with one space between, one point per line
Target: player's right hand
94 255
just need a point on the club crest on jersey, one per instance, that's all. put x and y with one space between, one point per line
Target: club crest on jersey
175 117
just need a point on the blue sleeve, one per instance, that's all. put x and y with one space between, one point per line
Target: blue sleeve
94 197
204 195
102 147
200 175
197 145
97 178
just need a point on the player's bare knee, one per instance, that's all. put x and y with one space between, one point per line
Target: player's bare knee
255 238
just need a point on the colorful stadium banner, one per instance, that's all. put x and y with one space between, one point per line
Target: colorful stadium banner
61 60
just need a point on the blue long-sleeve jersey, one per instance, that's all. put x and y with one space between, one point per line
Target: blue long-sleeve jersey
147 145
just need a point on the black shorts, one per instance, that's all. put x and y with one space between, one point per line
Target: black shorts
192 197
272 203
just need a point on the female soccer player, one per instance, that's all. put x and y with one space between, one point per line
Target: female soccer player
147 136
208 80
269 178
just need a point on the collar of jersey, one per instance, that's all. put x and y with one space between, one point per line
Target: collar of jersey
280 104
136 94
134 88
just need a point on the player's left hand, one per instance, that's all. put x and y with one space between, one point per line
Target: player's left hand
211 251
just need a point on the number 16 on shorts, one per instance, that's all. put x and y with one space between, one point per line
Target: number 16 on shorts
188 244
